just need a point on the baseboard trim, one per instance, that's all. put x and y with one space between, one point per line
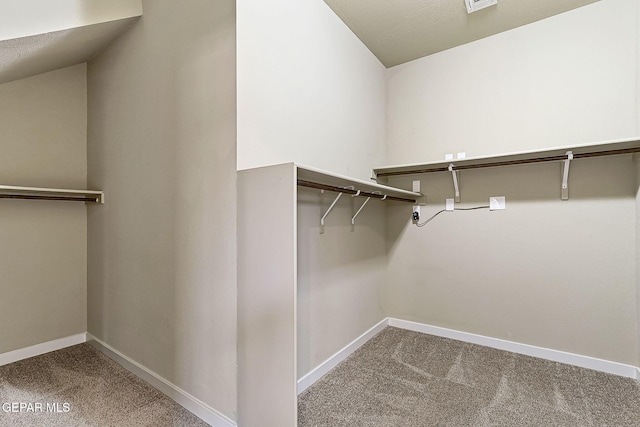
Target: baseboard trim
314 375
192 403
601 365
38 349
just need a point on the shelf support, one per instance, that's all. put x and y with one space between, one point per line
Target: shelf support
353 219
456 188
565 175
330 209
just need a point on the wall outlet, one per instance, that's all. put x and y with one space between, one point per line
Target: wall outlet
416 214
462 155
449 204
416 186
448 156
497 203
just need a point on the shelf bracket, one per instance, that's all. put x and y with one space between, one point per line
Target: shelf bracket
330 209
456 187
353 220
565 175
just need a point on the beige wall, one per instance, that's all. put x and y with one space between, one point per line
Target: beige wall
161 143
267 297
43 252
545 272
341 274
636 159
569 79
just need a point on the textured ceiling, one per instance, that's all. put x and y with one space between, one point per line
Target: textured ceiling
399 31
28 56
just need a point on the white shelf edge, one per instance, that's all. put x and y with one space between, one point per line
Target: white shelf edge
13 189
345 181
576 148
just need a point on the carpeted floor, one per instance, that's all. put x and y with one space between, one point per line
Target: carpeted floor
96 391
403 378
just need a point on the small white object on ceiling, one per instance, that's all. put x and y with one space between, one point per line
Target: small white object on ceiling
475 5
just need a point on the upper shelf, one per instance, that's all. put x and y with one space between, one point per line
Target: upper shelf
38 193
620 146
330 179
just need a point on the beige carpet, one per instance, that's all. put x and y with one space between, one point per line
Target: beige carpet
79 386
402 378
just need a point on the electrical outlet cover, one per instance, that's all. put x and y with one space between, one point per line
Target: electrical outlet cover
448 156
449 205
416 186
497 203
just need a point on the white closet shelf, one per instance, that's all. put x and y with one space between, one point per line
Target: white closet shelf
306 176
620 146
41 193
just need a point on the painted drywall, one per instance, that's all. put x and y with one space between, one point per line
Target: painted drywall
308 90
267 297
341 274
23 18
43 253
550 273
569 79
161 143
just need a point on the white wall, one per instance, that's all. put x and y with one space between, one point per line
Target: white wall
161 143
544 272
569 79
22 18
308 90
43 122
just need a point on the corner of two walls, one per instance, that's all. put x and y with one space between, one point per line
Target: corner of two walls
559 87
43 122
309 91
161 144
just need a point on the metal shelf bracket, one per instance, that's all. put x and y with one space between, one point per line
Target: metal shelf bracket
456 187
565 175
330 209
353 219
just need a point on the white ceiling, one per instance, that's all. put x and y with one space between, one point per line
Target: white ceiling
399 31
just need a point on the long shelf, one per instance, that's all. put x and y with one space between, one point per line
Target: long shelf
620 146
42 193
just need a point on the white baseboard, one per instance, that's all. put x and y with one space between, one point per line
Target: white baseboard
601 365
333 361
38 349
193 404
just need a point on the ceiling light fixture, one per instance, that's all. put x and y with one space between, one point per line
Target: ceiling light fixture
474 5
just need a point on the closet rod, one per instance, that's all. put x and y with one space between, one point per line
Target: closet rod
513 162
37 197
318 186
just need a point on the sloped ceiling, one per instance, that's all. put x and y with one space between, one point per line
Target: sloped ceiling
27 56
399 31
